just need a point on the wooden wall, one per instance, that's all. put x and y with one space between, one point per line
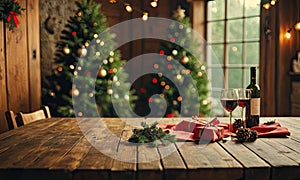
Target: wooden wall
116 13
276 54
20 86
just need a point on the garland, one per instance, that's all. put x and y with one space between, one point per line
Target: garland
9 11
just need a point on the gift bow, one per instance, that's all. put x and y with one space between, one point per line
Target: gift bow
13 15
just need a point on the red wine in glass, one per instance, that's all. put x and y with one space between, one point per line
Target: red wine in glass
229 100
244 103
229 104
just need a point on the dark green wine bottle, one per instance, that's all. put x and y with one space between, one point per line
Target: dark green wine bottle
253 112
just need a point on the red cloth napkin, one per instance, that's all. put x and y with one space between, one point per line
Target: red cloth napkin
215 130
271 130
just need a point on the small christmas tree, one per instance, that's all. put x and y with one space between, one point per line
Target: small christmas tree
87 68
183 48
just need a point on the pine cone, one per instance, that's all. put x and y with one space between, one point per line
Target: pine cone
238 123
253 136
243 134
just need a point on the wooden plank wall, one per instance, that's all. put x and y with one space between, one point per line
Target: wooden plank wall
3 94
267 64
33 35
19 70
287 17
275 58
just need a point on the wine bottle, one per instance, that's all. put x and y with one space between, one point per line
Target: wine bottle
253 112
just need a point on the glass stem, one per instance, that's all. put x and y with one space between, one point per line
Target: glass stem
242 114
229 127
244 122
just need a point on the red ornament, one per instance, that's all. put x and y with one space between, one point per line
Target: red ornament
88 73
154 80
59 69
143 90
172 40
111 71
161 52
74 33
188 71
169 66
150 100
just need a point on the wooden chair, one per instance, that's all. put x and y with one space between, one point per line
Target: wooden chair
11 120
21 118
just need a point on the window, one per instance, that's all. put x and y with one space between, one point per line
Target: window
233 35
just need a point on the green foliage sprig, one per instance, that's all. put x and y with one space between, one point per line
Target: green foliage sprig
151 134
9 12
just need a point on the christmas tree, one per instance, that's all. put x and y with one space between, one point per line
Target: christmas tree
183 48
87 68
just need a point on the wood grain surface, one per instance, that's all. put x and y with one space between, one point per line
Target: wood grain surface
69 148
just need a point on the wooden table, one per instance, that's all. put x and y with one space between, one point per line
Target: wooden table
56 148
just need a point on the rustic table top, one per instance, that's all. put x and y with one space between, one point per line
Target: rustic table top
67 148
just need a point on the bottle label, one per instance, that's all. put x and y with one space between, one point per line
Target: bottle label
255 106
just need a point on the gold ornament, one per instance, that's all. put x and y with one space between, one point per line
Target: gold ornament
79 14
66 50
102 73
184 60
82 51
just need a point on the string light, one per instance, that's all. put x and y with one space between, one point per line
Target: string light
128 8
297 26
145 16
288 33
154 3
268 3
273 2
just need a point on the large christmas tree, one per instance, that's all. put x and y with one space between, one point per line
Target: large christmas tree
185 49
86 68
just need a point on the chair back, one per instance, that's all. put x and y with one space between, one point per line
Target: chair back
11 120
21 118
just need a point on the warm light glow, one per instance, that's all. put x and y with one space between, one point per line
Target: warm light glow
112 1
273 2
153 3
297 26
128 8
267 6
287 35
145 16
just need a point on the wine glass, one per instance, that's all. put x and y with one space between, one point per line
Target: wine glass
229 100
244 101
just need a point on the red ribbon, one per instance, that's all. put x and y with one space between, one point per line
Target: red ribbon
14 16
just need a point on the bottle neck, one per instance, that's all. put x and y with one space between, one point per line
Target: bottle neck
253 80
253 76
